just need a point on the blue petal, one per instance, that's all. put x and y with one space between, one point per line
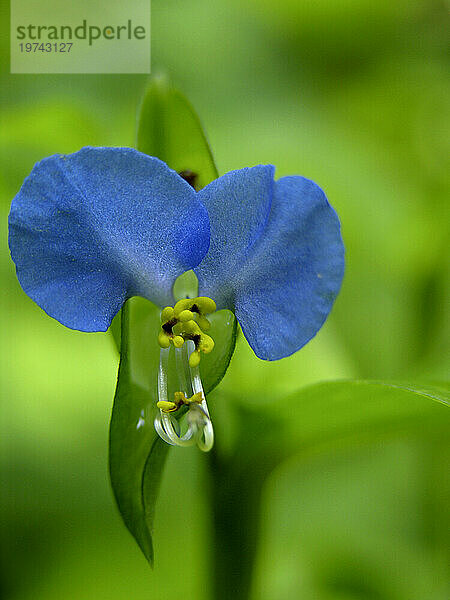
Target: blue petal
238 204
284 288
90 229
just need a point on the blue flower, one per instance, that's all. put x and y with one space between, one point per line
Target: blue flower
90 229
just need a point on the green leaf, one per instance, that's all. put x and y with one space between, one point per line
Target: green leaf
321 417
137 454
132 438
325 412
115 329
328 411
223 331
169 129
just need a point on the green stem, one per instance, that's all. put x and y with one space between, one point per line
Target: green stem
236 486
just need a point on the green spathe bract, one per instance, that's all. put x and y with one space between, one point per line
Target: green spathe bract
169 129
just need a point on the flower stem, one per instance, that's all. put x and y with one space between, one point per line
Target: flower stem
236 508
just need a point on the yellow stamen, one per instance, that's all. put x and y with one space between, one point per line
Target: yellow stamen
186 315
178 341
205 305
187 321
194 359
196 398
163 339
167 406
206 344
167 314
179 400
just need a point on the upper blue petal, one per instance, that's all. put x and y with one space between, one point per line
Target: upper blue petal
238 205
90 229
283 287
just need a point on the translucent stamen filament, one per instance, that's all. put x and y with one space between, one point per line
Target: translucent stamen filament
199 426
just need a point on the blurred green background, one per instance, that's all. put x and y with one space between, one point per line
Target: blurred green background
354 95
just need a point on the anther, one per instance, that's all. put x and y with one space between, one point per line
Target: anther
186 315
187 321
163 339
178 341
194 359
167 314
166 406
